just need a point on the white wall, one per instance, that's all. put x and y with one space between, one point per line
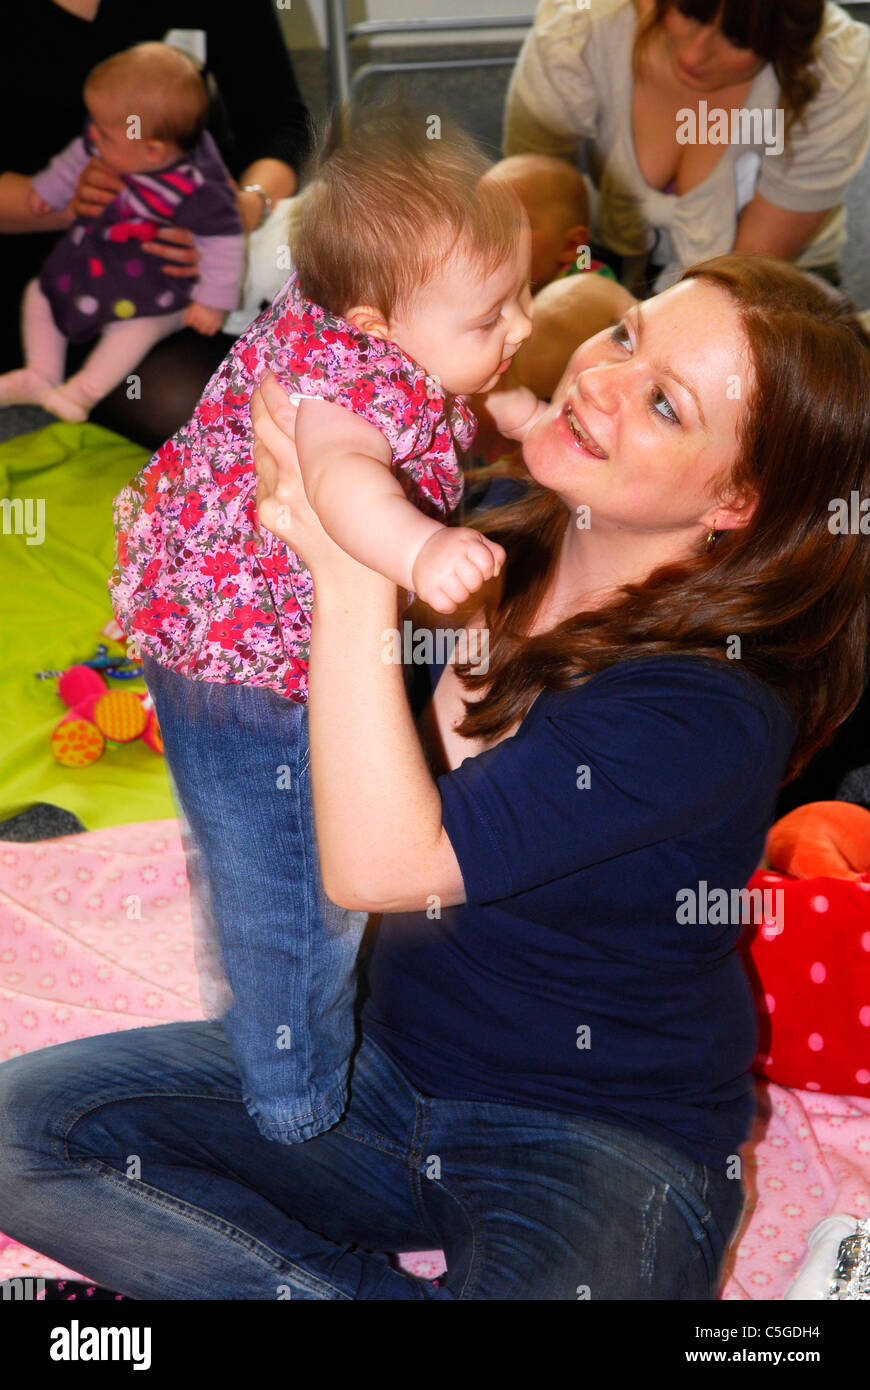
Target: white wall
304 21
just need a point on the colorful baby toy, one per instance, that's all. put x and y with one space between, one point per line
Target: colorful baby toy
97 715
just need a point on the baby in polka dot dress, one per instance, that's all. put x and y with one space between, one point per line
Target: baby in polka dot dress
147 110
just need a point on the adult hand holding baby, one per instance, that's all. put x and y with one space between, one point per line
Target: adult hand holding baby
98 184
282 505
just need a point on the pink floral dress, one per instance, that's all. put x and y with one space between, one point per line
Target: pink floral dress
196 583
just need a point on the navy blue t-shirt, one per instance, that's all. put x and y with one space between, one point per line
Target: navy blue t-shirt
574 838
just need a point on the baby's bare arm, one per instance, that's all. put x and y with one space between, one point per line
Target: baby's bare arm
345 463
514 412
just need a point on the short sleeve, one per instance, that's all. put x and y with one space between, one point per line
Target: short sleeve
827 148
646 751
552 100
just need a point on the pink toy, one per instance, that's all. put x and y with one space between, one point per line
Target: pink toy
97 716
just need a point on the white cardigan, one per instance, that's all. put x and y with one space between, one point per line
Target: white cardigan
573 82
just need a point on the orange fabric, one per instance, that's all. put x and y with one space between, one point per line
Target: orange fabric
828 839
76 742
120 715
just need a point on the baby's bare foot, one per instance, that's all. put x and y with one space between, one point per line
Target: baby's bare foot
23 387
63 403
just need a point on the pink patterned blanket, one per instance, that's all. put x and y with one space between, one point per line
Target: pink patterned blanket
96 936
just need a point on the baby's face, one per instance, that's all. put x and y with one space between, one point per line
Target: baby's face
465 325
111 135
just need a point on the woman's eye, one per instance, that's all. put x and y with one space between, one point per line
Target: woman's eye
489 325
620 335
739 44
659 399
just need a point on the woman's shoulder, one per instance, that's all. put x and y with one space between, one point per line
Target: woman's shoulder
842 49
702 693
567 18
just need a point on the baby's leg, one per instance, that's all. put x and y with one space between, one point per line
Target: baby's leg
239 761
120 348
44 352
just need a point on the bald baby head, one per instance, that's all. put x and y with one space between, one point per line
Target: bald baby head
554 195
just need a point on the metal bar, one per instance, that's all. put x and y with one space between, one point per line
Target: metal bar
369 69
432 26
339 50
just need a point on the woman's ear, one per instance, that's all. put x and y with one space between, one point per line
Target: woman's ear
367 319
735 511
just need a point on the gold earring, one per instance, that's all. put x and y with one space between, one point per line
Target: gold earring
711 537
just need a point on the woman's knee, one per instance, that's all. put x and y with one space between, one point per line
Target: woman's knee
34 1091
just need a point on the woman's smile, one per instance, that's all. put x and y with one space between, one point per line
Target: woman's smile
581 435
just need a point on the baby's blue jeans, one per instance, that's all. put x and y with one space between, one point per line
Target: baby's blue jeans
238 756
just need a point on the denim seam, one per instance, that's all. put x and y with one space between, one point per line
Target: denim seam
415 1157
326 1115
415 1164
382 1146
71 1117
699 1225
198 1216
301 807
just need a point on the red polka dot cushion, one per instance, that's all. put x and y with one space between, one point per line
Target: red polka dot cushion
809 964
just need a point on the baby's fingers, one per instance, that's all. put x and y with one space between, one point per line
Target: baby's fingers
498 555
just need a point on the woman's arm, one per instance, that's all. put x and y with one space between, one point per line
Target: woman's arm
267 114
552 101
382 845
277 181
16 211
764 229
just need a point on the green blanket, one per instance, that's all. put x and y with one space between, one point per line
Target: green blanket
53 605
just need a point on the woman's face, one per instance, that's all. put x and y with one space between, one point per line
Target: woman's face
702 57
643 426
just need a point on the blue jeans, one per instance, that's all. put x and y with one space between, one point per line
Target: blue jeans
239 760
130 1157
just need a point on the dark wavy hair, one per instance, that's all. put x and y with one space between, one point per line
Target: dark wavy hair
795 593
782 32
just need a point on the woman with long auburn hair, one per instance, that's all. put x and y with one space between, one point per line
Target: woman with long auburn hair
708 125
553 1081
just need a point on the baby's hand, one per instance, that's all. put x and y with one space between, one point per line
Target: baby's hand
514 412
38 205
452 564
204 319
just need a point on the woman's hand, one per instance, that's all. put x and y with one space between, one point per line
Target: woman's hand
97 186
178 248
282 504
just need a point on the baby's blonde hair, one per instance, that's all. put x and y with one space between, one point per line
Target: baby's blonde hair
391 196
160 85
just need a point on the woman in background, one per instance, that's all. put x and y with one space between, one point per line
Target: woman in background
641 81
257 117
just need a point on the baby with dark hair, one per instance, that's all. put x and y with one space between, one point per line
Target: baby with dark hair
147 111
